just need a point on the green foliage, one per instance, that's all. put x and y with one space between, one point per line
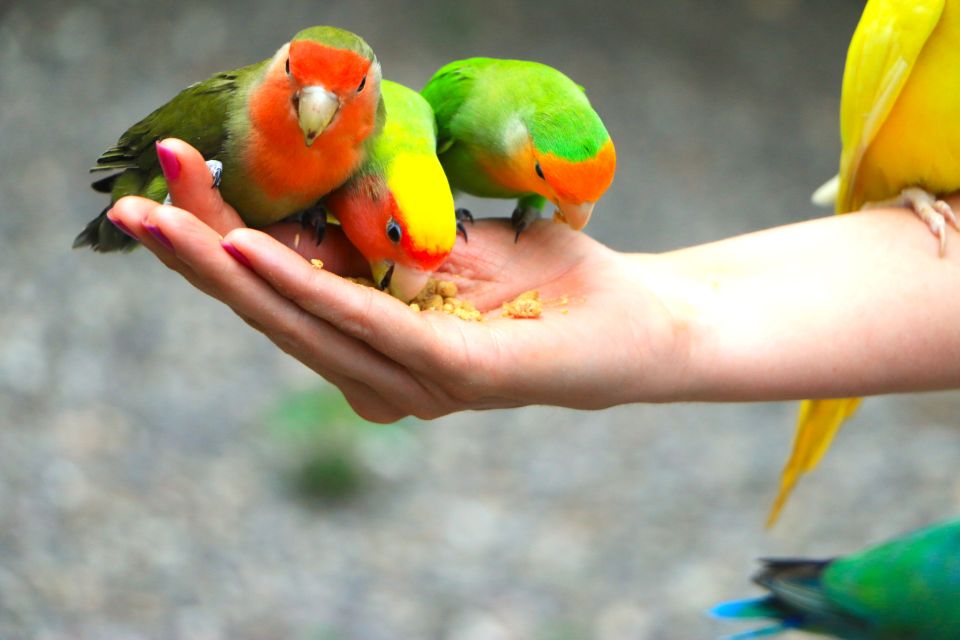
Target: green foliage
323 440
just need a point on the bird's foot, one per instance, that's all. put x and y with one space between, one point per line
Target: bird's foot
215 167
216 170
522 218
935 213
462 216
315 220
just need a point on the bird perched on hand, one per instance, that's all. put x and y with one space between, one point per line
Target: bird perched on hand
906 588
518 129
898 114
287 131
397 210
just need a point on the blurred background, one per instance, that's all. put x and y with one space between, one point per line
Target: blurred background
165 472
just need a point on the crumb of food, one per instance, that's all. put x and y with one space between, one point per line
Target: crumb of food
441 295
317 264
363 282
296 242
525 305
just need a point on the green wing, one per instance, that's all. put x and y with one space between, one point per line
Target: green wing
446 92
198 114
909 584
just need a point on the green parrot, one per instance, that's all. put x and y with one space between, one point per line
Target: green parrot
287 130
519 129
397 209
906 588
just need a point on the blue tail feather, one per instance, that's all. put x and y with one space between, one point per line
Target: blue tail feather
745 609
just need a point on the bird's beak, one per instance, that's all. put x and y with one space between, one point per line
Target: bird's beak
315 109
399 281
575 215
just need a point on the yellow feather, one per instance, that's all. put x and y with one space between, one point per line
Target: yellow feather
419 185
817 424
900 126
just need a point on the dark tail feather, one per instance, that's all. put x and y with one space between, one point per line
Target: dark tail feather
101 235
105 185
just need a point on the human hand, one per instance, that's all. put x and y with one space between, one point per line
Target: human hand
389 361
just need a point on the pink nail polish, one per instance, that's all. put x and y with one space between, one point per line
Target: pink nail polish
239 257
169 163
156 233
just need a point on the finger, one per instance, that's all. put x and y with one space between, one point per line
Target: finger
309 338
336 252
368 315
131 213
191 186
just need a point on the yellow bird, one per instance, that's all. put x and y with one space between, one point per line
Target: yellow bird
900 127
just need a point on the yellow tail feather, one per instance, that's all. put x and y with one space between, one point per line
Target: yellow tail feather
817 424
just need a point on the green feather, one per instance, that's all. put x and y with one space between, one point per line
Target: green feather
908 588
487 108
212 116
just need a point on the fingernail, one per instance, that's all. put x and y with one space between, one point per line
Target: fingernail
239 257
169 163
119 225
156 233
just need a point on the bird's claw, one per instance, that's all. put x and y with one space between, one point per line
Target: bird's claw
463 215
935 213
521 219
215 167
216 170
315 219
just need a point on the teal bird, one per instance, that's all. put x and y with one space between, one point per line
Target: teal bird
520 129
908 588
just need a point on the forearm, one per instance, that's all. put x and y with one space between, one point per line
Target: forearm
848 305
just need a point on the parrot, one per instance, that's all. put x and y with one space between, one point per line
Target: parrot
908 587
899 102
521 129
287 130
398 210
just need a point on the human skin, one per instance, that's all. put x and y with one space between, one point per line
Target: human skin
858 304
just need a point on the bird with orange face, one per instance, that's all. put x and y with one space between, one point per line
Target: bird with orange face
286 131
397 210
520 129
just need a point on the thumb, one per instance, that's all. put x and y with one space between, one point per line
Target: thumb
191 186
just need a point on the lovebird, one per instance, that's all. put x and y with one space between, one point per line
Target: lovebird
899 105
287 131
906 588
397 210
519 129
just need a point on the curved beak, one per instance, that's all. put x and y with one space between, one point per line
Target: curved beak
315 109
397 280
575 215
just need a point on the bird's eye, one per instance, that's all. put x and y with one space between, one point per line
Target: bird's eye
539 171
394 232
287 67
363 83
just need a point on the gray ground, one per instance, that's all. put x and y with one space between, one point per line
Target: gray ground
141 493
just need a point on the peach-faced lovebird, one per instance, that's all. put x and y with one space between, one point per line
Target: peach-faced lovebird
397 210
906 588
899 115
287 130
518 129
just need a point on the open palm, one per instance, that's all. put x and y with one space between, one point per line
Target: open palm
587 350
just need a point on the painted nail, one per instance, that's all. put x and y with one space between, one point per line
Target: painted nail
169 163
119 225
239 257
156 233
